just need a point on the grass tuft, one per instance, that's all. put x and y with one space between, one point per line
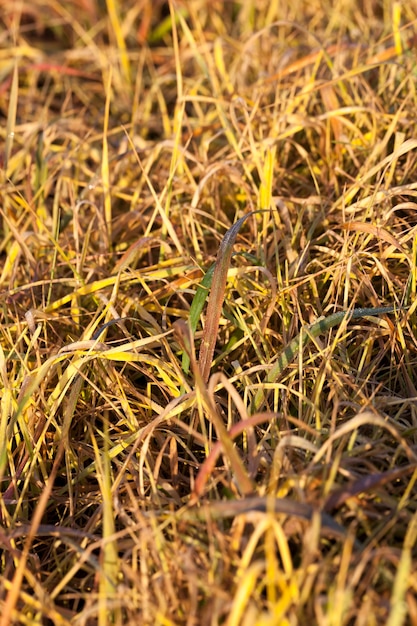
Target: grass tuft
252 461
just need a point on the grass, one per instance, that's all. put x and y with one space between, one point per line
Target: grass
167 462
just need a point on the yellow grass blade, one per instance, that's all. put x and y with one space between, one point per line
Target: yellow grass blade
109 572
114 15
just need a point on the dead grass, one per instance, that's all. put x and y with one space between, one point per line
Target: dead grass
133 489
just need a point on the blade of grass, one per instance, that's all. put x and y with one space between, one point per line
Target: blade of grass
108 578
310 332
293 508
105 173
6 409
217 296
11 117
195 311
41 175
165 26
398 611
365 484
113 10
186 339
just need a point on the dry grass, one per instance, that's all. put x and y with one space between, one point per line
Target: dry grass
138 484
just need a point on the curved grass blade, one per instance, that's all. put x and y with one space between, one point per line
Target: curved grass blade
310 332
216 297
267 504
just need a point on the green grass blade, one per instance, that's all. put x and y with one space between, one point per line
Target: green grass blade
195 310
305 335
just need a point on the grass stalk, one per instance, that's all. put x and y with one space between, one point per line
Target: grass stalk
216 297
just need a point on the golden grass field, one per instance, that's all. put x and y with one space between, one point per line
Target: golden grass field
186 436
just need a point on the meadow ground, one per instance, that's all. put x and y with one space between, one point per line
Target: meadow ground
268 478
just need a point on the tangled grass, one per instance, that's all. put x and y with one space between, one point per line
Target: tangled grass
142 483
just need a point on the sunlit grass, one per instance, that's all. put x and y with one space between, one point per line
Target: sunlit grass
187 189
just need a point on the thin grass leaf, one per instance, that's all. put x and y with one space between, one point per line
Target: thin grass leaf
365 484
402 582
41 175
11 117
249 581
108 577
230 452
195 310
217 296
307 334
114 10
185 338
230 508
165 26
6 409
105 172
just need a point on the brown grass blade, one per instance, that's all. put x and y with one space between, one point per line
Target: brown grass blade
265 504
217 296
365 484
